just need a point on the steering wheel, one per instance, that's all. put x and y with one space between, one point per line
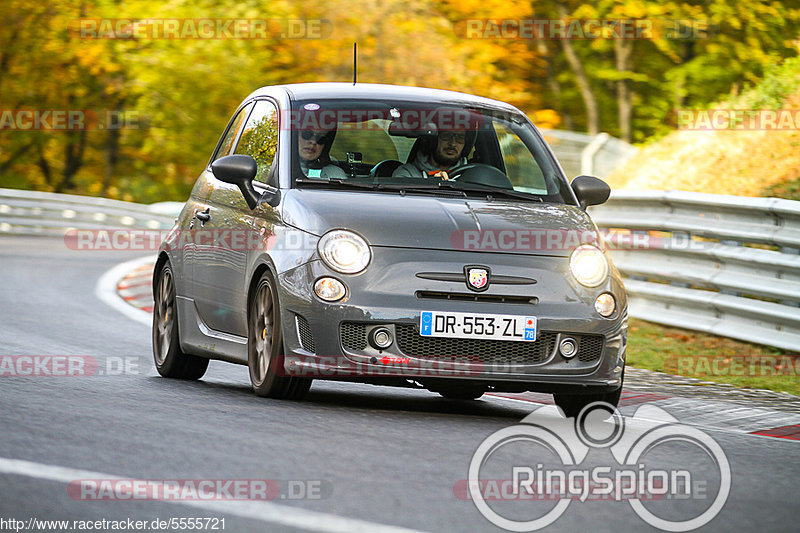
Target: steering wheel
481 174
459 171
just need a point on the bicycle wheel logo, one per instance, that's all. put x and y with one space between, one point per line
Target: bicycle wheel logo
571 477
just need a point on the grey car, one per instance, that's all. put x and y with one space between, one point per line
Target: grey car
391 235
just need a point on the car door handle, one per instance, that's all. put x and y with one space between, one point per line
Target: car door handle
203 216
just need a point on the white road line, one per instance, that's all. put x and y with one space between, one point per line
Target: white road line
264 511
106 290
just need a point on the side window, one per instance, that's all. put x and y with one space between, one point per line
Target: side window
521 167
230 135
260 137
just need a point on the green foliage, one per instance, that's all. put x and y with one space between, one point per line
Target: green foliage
180 93
777 85
660 348
788 189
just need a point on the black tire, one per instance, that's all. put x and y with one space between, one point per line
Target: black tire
265 346
170 360
573 404
461 393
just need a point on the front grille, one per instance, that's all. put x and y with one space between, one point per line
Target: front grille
472 297
411 343
354 336
590 348
306 338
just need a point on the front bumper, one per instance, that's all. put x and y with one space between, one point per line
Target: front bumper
329 340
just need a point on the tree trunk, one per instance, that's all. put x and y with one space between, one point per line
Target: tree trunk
5 165
110 157
622 55
44 166
554 86
589 100
73 158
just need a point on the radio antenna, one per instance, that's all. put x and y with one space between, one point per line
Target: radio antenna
355 62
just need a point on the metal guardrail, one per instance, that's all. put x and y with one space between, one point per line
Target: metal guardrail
726 265
50 214
592 155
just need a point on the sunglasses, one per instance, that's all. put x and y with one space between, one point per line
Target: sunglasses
319 138
453 137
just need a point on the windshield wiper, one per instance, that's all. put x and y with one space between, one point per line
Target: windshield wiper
422 188
449 187
487 189
338 181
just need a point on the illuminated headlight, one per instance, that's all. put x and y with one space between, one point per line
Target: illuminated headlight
329 289
605 304
344 251
589 265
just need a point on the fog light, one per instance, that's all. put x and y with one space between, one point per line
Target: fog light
380 338
605 304
329 289
568 348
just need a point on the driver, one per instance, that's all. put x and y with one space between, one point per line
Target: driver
446 155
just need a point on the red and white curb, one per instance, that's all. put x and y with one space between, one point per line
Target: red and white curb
127 288
136 288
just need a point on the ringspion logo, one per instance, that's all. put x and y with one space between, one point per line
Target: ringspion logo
589 458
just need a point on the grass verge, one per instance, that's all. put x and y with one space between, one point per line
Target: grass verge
708 357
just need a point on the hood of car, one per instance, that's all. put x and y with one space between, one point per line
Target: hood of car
441 223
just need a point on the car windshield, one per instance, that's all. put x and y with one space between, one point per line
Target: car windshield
414 146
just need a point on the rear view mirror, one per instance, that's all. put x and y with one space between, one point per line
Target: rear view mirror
239 170
590 190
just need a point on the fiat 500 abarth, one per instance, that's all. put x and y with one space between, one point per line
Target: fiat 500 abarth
391 235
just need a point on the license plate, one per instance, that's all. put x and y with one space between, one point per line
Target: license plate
477 326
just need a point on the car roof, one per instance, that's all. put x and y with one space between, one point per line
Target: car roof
378 91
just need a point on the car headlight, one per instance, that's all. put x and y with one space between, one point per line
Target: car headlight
589 265
344 251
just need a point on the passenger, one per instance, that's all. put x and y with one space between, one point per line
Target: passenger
313 148
447 154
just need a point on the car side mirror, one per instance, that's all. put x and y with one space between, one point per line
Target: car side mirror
590 190
239 170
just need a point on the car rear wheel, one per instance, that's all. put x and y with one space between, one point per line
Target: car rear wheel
265 346
573 404
170 360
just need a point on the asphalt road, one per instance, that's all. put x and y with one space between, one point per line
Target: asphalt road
378 457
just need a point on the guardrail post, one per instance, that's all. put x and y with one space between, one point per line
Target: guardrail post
588 153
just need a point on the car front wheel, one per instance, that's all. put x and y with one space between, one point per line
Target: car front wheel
461 393
265 346
573 404
170 360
